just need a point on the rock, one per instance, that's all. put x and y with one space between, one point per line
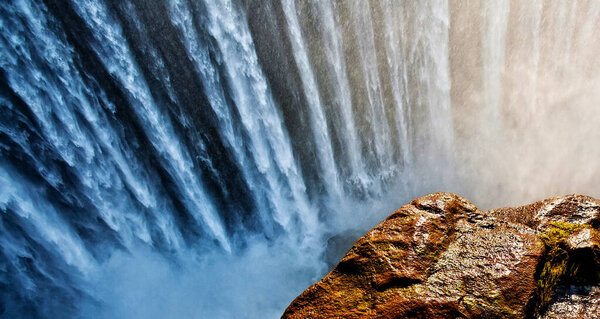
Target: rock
577 302
441 257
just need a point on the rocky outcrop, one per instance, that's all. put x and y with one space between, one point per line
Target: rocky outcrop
441 257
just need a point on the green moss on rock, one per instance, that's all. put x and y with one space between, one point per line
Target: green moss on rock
554 268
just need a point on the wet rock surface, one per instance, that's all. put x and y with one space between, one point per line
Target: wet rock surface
441 257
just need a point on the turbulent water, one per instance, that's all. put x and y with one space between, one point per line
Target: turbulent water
210 159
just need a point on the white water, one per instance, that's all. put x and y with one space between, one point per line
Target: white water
332 40
311 92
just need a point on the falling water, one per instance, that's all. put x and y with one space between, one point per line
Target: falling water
208 159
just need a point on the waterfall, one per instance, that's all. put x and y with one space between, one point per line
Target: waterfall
493 56
380 135
336 67
210 158
317 117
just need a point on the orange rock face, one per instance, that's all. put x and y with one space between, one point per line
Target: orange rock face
441 257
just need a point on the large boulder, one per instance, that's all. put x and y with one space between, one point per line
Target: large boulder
441 257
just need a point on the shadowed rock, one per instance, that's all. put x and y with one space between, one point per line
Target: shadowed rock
441 257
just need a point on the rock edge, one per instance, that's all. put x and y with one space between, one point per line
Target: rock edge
441 257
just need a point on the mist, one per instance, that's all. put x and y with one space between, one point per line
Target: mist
256 283
525 95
